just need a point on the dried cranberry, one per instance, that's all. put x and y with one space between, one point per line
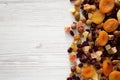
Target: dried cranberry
69 50
72 33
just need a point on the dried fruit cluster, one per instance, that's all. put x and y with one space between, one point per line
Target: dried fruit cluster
95 50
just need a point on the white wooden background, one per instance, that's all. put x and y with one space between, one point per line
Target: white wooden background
33 43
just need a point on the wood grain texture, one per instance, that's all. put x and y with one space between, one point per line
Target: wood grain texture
32 40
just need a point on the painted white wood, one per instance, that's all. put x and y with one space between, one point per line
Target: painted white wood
33 43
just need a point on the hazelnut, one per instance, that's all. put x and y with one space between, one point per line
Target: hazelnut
88 22
115 61
80 29
76 37
71 74
110 37
73 11
73 26
73 69
90 37
78 70
83 19
117 33
77 16
77 8
77 2
67 28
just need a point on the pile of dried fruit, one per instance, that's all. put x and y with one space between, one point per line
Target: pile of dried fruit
95 50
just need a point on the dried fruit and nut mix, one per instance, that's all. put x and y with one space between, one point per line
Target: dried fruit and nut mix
94 53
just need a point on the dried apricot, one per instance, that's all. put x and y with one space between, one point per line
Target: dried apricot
107 67
88 72
97 17
106 6
72 57
115 75
102 38
110 25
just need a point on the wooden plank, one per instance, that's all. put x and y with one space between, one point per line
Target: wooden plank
32 40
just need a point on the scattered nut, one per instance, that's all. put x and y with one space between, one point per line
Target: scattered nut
77 2
73 11
73 26
83 19
88 22
115 61
90 37
77 16
76 37
110 37
88 7
67 28
117 33
78 70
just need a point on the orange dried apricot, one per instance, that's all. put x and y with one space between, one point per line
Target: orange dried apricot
115 75
72 57
88 72
110 25
106 6
107 67
102 38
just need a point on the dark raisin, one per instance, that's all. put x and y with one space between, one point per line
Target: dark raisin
95 48
88 30
83 58
93 25
97 65
77 78
93 61
69 78
73 69
69 50
80 65
97 4
72 0
90 50
91 1
85 14
72 33
85 43
115 57
79 46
